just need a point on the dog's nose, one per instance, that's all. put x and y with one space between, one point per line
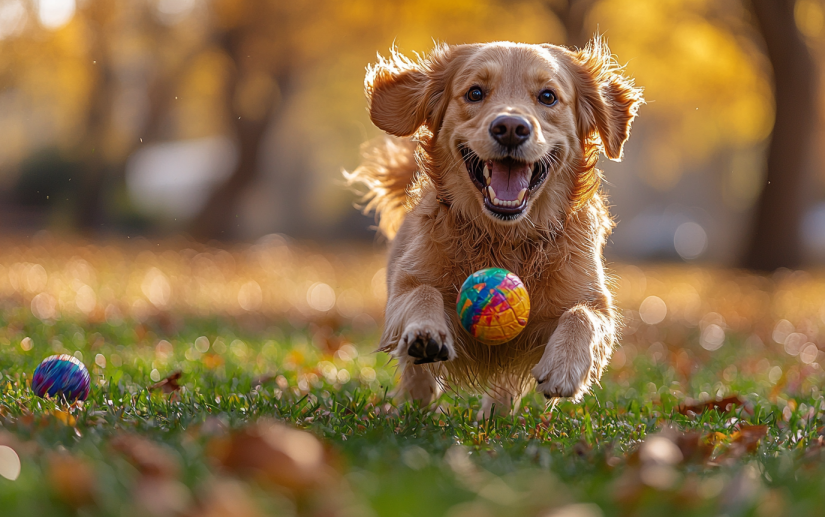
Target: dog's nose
510 130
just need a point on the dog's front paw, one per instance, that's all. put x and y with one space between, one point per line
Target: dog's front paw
426 344
563 372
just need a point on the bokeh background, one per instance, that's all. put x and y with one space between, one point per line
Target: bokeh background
172 209
233 119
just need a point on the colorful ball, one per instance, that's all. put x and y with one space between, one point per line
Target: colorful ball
493 305
61 375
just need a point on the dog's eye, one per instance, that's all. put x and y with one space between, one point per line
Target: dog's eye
547 97
475 94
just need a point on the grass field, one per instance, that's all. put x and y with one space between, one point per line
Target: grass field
279 333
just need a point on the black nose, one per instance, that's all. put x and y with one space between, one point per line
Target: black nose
510 130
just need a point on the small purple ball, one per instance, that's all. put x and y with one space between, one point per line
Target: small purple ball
61 375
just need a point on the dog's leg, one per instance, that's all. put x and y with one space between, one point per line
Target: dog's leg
501 399
576 354
416 326
418 384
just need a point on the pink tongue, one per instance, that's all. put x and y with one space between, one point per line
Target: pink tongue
508 178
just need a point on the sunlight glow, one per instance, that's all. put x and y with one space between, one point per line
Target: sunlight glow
12 18
9 463
173 11
54 14
690 240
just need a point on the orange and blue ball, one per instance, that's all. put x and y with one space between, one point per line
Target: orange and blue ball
493 305
61 376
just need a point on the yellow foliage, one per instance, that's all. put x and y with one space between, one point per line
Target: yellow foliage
706 89
809 17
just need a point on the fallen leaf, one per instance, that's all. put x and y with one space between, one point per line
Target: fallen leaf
724 405
275 453
169 384
225 498
65 417
161 496
746 439
694 449
148 457
716 438
71 479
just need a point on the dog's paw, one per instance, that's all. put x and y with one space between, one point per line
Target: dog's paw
562 374
425 344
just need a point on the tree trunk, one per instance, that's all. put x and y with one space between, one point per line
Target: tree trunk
776 239
219 217
573 15
91 184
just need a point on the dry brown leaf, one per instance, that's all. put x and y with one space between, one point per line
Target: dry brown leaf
225 498
746 439
148 457
276 454
161 496
72 479
725 404
169 384
693 447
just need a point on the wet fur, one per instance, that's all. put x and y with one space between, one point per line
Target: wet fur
441 234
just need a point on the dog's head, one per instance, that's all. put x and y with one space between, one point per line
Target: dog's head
507 124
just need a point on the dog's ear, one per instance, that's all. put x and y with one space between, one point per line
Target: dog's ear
607 100
404 94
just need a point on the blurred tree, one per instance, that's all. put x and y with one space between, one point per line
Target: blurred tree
128 41
256 37
776 239
573 16
287 75
269 46
106 77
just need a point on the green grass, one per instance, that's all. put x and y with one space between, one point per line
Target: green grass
391 459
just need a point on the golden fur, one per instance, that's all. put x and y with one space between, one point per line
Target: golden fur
442 233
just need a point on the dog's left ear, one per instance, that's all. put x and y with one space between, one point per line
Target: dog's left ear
607 100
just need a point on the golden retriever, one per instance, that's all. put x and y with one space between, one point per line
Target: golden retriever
500 172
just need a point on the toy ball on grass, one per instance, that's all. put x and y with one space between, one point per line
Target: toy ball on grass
61 375
493 305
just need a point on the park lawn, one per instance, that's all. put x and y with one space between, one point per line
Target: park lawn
645 442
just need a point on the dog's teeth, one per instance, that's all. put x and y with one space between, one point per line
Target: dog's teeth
521 195
486 175
491 194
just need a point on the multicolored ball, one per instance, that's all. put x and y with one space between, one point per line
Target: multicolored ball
61 375
493 305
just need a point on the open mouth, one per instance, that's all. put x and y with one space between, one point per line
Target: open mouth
505 183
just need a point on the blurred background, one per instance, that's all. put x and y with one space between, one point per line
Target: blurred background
229 120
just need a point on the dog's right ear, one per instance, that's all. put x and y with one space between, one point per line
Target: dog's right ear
396 89
405 94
